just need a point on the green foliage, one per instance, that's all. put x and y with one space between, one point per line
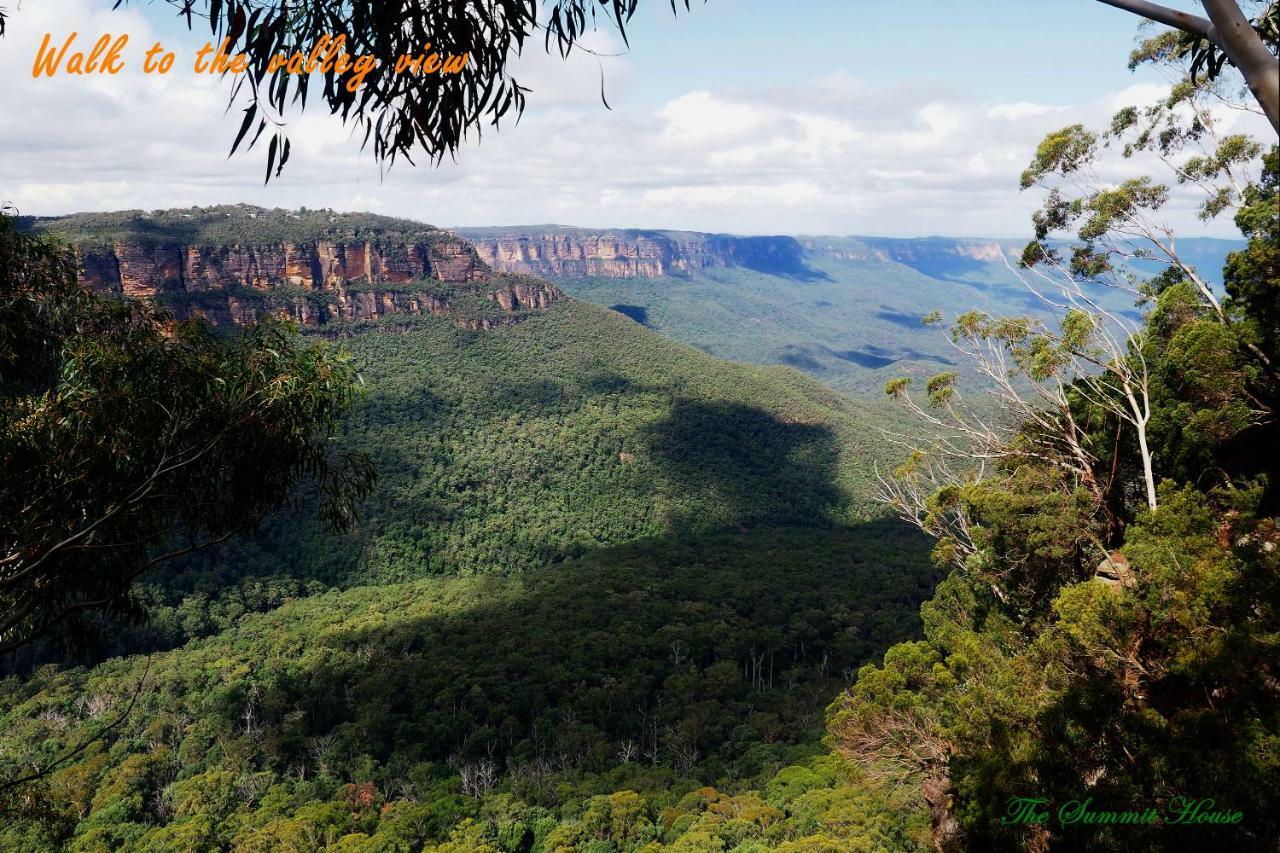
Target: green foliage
125 438
1086 646
1061 153
1252 276
602 688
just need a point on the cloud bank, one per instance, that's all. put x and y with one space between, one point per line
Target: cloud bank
836 155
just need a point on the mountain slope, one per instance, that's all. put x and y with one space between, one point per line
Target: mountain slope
602 595
521 446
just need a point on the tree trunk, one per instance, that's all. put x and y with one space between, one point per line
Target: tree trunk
1148 472
1246 51
948 836
1229 29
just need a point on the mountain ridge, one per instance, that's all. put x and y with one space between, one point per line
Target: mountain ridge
235 264
563 251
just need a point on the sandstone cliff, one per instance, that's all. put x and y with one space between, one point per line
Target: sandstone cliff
574 253
938 251
560 252
316 271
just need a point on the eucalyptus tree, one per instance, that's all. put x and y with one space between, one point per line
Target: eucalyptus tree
127 440
1226 35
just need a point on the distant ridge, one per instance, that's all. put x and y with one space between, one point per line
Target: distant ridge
563 251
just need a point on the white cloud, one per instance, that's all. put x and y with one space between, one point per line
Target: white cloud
832 155
1022 109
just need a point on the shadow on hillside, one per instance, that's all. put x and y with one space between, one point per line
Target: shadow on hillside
898 318
639 313
702 466
801 357
554 671
868 358
754 466
947 267
793 268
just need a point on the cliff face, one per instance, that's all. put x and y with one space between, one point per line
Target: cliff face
558 252
575 253
928 251
313 282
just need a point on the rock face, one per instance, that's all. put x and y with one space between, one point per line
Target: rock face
312 282
558 252
575 253
927 251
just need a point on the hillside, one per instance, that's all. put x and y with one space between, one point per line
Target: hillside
844 309
603 593
522 446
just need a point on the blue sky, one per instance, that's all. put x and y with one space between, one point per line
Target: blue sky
745 116
1016 51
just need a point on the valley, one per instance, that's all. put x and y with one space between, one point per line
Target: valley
846 310
604 576
622 564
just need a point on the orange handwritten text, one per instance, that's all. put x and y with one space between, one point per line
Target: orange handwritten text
222 61
103 58
327 56
431 63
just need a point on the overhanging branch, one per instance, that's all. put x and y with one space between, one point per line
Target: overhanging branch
1184 21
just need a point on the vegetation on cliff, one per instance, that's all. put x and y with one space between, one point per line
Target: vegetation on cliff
228 225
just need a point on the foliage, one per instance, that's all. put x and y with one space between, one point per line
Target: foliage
126 440
579 702
431 111
1091 644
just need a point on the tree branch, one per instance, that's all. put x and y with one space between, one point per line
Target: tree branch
1230 30
1188 23
1240 42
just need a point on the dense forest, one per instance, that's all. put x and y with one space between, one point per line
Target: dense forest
601 595
500 571
523 446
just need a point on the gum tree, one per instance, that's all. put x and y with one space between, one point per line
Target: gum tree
127 440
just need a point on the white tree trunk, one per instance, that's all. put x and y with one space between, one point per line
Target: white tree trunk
1148 473
1229 29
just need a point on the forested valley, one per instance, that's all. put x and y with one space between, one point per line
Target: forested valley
602 594
318 532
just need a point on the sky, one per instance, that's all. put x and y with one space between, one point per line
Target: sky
739 116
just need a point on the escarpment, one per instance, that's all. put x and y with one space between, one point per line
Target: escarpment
560 252
236 265
575 253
